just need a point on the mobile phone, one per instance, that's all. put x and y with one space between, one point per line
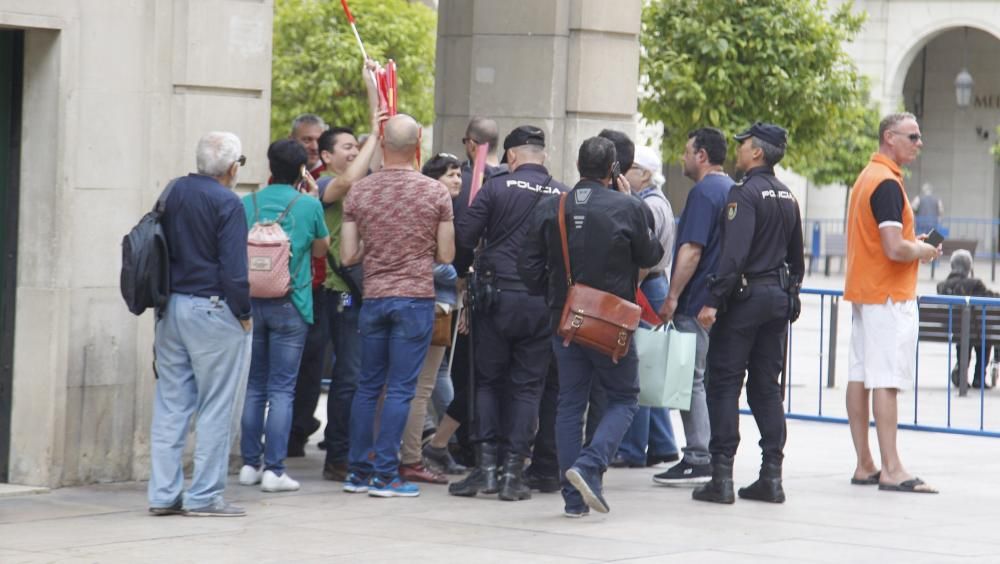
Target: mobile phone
934 238
616 171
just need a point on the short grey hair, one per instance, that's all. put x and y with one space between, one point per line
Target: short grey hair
961 262
217 151
890 121
772 153
307 119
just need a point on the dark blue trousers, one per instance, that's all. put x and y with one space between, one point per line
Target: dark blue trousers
578 368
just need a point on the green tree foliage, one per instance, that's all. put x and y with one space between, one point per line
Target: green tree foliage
728 63
317 64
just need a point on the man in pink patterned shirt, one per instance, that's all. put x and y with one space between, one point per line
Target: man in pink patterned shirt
399 223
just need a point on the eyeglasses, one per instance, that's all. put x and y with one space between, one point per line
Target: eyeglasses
242 160
467 139
913 137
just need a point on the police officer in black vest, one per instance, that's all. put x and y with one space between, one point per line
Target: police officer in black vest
752 298
511 327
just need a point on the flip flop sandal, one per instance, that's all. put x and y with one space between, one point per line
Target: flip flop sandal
869 481
908 486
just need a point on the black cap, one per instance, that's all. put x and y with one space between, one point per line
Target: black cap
767 132
522 135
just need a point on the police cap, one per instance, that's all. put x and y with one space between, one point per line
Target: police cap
767 132
523 135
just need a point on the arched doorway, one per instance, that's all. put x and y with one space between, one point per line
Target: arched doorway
956 160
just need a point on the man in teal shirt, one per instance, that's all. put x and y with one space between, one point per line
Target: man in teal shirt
280 324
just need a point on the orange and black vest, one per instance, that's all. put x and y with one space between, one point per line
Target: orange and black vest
872 277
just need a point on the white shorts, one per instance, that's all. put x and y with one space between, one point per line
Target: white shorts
884 345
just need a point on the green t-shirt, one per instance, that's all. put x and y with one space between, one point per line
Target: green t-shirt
303 224
333 214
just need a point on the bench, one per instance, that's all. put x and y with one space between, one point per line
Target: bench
966 329
949 246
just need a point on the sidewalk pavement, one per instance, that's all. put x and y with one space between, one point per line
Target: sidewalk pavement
824 520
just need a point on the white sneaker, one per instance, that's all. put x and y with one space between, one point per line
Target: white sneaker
249 475
272 482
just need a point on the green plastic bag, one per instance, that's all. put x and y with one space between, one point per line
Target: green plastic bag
666 366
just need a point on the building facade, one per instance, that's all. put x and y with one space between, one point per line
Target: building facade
912 52
103 103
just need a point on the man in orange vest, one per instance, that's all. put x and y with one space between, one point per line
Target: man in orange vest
883 251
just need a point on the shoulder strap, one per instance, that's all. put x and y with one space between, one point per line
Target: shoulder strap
289 208
256 210
161 203
562 236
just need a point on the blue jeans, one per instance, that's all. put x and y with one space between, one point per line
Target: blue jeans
443 392
651 425
344 378
578 368
395 336
202 356
279 335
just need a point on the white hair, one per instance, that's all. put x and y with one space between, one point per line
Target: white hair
217 151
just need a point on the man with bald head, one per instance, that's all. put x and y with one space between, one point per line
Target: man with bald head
398 223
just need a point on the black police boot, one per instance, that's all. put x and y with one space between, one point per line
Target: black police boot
483 478
720 489
537 480
767 487
512 485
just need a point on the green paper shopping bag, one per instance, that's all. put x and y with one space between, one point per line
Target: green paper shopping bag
666 366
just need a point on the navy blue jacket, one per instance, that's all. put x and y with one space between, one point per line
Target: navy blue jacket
502 203
206 232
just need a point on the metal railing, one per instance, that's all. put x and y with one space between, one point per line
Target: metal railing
985 232
960 313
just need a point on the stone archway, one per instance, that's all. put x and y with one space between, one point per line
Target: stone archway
955 159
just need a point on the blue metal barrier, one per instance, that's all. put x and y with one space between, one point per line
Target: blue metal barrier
960 311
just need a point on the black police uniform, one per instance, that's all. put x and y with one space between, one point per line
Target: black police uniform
761 233
512 349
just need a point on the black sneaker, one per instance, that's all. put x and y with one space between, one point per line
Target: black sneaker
684 473
589 487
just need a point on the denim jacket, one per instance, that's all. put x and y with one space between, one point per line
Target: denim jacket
444 284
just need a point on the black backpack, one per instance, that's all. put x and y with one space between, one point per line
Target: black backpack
145 277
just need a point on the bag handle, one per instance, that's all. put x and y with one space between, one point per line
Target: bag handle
562 235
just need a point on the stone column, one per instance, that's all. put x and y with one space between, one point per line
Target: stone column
570 67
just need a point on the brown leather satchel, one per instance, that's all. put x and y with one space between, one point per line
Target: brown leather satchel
597 320
441 336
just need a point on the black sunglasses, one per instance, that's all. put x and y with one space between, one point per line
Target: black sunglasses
242 160
913 137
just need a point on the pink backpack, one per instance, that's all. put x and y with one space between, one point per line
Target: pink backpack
269 255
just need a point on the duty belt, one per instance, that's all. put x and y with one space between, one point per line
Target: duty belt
770 277
511 286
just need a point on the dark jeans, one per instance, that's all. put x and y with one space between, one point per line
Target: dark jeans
982 361
279 335
395 336
346 338
748 340
512 358
458 409
316 361
578 368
